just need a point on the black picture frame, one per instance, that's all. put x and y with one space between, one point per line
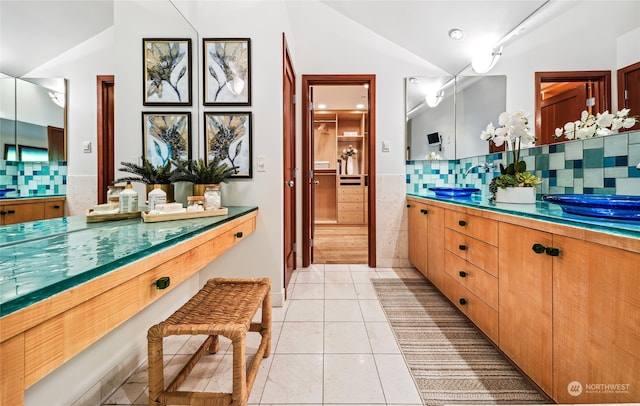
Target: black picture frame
228 135
226 71
166 72
166 135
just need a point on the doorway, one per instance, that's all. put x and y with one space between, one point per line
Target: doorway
105 88
629 91
561 97
339 158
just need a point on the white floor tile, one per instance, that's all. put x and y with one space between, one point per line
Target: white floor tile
342 310
310 277
351 378
294 379
305 310
372 311
339 291
360 268
337 277
365 291
381 338
336 267
308 291
301 337
342 337
397 383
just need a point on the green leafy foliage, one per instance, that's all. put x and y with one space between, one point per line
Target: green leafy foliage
199 172
146 173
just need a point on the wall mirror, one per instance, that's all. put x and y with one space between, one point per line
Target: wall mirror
453 111
33 119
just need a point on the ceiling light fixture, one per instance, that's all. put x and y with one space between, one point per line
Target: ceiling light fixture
322 106
456 34
57 98
486 60
359 106
434 98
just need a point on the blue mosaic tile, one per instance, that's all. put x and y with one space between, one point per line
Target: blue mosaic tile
578 174
593 158
609 161
577 163
622 160
610 182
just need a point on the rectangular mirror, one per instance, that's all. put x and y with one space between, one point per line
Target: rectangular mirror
430 117
33 119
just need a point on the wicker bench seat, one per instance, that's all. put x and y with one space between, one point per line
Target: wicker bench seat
224 306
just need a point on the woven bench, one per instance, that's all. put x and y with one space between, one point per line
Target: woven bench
222 307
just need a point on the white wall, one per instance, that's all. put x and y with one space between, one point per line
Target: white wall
80 66
582 38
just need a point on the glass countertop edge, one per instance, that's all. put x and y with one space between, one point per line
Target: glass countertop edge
48 291
624 228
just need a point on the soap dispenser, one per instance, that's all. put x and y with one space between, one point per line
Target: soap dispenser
128 199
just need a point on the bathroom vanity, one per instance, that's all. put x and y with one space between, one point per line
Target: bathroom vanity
71 282
19 210
558 294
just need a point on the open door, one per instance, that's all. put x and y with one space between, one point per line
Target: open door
355 201
289 158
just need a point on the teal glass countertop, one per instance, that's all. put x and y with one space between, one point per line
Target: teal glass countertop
42 258
543 211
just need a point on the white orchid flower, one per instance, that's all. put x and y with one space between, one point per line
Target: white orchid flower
623 113
629 122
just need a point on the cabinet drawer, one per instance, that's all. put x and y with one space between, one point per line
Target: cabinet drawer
483 284
19 213
350 207
54 209
351 217
477 227
480 313
479 253
350 198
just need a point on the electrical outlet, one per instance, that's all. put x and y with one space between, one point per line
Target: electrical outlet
86 147
385 146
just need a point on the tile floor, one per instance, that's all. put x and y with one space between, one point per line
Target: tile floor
331 345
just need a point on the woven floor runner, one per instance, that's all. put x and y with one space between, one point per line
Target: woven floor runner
451 362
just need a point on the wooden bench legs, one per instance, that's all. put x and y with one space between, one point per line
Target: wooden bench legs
223 307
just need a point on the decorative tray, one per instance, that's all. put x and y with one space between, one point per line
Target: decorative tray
626 207
97 218
150 218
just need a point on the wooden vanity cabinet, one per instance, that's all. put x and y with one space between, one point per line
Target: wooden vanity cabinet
426 243
596 322
471 263
14 211
563 303
525 311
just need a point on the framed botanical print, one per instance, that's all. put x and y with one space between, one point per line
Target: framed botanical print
228 136
166 71
166 135
227 71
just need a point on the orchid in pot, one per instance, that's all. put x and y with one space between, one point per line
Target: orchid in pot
596 126
514 131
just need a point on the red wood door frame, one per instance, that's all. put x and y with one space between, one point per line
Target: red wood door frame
629 91
307 164
289 162
602 91
105 88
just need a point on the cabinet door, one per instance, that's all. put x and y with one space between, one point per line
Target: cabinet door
53 209
596 323
525 307
418 235
435 246
19 213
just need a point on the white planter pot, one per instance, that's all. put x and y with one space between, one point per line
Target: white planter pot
516 195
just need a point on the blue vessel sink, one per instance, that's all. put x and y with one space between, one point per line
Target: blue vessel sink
453 191
626 207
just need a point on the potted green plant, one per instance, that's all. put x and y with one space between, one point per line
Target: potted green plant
149 175
514 184
201 173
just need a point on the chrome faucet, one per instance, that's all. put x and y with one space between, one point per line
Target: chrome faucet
487 166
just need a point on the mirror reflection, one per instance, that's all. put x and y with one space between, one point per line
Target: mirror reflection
445 115
33 116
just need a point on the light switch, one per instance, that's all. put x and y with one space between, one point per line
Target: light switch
86 147
385 146
260 164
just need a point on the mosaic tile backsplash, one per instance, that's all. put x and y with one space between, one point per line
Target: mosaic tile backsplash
604 165
32 179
